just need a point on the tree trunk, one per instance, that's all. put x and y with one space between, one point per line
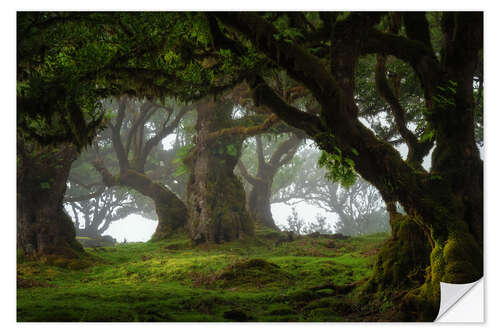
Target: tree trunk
401 265
43 228
171 211
259 203
216 197
259 200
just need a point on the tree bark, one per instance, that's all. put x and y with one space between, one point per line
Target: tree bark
216 197
259 204
43 228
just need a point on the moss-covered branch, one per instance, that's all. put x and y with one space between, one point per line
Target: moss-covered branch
242 131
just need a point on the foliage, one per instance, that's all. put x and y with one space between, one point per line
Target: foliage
295 224
339 169
68 61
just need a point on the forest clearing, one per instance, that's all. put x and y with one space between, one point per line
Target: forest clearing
263 280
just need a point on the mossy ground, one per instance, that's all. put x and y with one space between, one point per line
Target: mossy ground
260 280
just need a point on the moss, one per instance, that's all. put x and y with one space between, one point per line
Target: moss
419 305
324 315
463 259
400 274
255 273
402 260
20 256
172 281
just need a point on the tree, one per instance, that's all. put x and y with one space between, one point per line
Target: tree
68 62
264 177
43 228
322 54
93 216
139 139
216 197
91 205
259 198
49 135
296 224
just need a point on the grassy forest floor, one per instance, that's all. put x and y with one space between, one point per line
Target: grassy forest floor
265 279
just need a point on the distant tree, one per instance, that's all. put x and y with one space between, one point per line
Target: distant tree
321 225
261 183
360 207
138 127
295 224
92 217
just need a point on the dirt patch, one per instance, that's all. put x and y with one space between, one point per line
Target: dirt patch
24 283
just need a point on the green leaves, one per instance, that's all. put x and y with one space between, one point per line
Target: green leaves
339 168
182 169
45 185
232 150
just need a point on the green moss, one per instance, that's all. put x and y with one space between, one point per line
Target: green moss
253 273
402 259
463 259
174 281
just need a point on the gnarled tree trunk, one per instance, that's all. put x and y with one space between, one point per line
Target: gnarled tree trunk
43 228
171 211
216 197
259 199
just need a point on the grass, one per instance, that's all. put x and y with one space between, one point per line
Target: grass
258 280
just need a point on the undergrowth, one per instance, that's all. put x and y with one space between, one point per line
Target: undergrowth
265 279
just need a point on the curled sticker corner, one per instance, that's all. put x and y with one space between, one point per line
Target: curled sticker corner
451 293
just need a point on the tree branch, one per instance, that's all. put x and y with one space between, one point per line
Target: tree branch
244 172
416 151
285 151
116 137
245 131
85 197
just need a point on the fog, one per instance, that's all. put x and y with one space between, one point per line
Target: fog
135 228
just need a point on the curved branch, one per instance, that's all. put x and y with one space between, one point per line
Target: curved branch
416 150
285 152
107 178
419 55
161 135
265 95
245 131
145 113
417 27
371 156
85 197
244 172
